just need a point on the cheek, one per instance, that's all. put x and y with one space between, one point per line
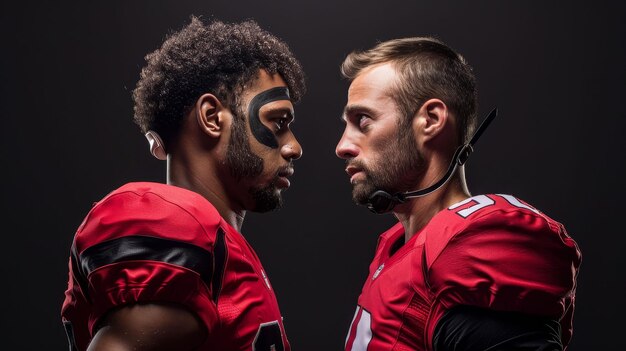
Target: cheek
382 145
271 160
386 132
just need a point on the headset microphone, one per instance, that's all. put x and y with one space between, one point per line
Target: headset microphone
381 201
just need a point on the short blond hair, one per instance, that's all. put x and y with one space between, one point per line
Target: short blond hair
427 68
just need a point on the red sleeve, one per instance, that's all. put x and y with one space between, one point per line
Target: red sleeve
509 261
141 248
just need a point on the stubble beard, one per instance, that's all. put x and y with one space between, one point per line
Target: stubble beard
396 169
246 165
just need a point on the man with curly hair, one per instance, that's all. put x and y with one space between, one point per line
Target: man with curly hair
164 266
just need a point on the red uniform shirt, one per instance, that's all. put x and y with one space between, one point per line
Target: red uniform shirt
490 251
149 242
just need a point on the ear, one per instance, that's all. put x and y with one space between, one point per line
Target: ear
210 114
431 119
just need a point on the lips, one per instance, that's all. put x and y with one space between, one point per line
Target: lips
352 170
282 181
353 173
287 172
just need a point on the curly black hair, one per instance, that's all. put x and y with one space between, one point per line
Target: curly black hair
218 58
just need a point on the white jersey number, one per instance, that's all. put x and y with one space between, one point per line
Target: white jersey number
482 201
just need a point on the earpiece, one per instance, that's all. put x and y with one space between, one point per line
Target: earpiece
157 148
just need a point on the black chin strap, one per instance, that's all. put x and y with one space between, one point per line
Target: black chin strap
381 201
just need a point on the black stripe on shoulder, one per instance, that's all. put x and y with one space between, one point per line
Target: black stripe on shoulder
149 248
221 256
79 275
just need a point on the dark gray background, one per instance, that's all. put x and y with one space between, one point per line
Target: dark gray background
556 72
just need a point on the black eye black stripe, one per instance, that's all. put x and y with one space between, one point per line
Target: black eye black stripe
263 134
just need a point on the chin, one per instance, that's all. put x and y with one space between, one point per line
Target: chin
266 199
362 192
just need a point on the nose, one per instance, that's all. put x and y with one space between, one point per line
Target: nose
292 149
346 148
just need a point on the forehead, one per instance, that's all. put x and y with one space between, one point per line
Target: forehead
373 86
264 82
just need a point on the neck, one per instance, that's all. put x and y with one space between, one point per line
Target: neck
417 212
184 173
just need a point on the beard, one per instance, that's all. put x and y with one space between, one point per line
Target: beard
246 165
396 169
266 198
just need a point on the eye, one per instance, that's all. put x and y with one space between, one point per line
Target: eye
280 123
363 121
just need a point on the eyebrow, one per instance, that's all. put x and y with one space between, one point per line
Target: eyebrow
354 109
277 110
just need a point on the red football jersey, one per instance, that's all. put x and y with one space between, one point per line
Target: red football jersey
490 251
149 242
